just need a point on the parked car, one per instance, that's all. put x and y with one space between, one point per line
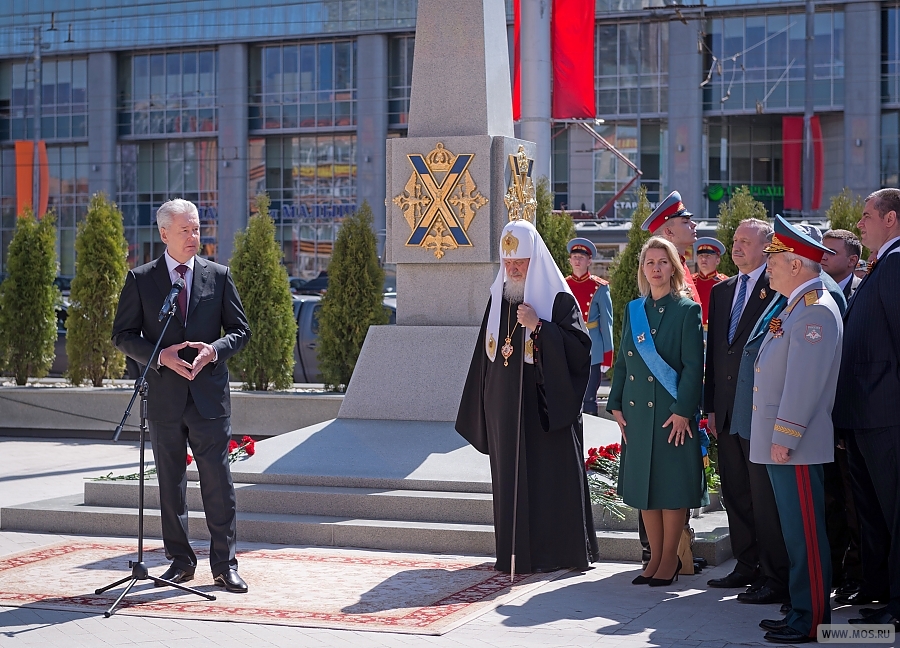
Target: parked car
306 312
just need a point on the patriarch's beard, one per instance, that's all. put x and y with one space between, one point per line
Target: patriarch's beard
514 291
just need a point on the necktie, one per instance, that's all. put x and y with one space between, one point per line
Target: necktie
182 296
738 308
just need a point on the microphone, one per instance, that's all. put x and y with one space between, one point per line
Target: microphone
169 304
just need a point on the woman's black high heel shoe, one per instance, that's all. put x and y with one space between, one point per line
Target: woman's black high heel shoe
640 580
662 582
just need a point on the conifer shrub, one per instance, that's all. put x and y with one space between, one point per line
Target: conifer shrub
28 299
556 229
624 269
354 299
101 254
740 206
267 361
844 212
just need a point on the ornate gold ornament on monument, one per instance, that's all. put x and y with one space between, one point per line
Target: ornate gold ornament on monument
521 200
440 200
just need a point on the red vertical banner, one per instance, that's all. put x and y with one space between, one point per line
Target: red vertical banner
25 177
517 62
818 162
792 156
572 56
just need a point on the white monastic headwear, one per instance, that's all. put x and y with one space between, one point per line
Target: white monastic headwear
543 282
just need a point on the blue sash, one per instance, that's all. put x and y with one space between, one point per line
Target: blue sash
640 333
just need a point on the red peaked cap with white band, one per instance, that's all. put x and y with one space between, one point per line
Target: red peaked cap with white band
788 238
671 207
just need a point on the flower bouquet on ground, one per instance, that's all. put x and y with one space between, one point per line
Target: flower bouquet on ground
709 448
602 465
246 448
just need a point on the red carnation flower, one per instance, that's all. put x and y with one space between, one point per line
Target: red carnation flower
232 446
250 447
190 460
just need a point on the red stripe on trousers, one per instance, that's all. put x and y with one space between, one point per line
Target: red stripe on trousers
807 512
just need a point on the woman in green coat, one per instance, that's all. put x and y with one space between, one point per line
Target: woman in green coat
661 470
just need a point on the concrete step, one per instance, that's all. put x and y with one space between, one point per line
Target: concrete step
72 515
367 503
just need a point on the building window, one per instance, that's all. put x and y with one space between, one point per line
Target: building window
167 93
63 99
644 147
311 181
757 64
890 149
303 86
559 141
400 64
153 172
632 68
890 56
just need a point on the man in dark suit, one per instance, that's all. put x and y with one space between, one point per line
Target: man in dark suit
188 398
756 539
869 386
840 265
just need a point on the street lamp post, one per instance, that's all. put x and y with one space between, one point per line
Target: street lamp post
38 90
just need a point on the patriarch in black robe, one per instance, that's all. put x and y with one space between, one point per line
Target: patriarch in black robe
525 385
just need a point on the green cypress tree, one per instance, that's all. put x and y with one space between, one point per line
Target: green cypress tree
556 229
101 254
844 212
353 302
741 205
624 268
28 298
262 282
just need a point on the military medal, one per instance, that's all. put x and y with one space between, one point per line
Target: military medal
775 327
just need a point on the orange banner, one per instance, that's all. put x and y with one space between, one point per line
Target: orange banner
25 176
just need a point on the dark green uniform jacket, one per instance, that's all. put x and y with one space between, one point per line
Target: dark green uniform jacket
655 474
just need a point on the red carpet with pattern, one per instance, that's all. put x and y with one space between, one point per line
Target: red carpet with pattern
309 586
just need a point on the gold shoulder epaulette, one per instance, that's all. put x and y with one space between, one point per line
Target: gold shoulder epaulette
812 297
599 280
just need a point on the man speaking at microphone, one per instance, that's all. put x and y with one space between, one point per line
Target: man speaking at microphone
188 397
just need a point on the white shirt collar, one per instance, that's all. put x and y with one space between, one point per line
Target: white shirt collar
171 263
754 275
843 283
884 248
804 287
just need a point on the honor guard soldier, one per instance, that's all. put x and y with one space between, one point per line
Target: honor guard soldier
592 294
708 252
791 432
672 221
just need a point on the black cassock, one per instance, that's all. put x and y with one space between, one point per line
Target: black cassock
554 526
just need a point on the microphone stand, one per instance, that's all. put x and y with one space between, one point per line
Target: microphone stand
139 570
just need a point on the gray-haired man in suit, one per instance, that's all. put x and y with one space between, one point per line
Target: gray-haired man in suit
791 431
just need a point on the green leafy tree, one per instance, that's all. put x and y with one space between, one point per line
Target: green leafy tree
741 205
844 212
101 254
556 229
624 269
353 302
262 282
28 299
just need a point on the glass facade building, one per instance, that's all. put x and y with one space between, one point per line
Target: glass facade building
218 101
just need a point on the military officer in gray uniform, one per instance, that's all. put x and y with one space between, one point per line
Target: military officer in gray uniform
791 431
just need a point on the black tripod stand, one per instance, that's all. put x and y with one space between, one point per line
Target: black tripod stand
138 568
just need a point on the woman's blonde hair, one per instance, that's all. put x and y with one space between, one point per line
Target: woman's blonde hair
678 284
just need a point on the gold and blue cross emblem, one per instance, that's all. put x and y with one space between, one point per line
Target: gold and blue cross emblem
440 200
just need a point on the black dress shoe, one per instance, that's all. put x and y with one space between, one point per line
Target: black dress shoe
763 595
757 585
663 582
883 618
733 579
231 581
860 598
175 575
640 580
786 608
772 624
787 635
848 587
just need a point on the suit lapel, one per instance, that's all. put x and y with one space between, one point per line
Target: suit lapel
755 305
162 278
866 279
728 297
198 284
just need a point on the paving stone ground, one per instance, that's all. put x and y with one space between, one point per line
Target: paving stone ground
597 608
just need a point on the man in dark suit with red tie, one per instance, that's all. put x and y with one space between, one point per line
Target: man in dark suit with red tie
188 397
868 390
756 540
